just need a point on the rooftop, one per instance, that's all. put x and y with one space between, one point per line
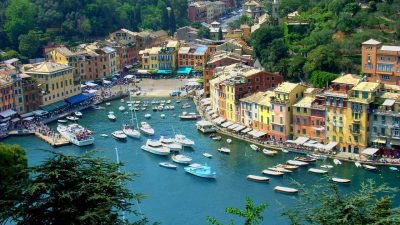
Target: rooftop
266 101
172 44
64 51
390 48
48 67
224 54
366 86
371 42
254 98
286 87
304 102
388 95
347 79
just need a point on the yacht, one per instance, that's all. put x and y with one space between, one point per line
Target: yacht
146 128
183 140
119 135
147 116
170 143
201 171
130 131
72 118
183 159
111 116
189 116
121 108
155 147
76 134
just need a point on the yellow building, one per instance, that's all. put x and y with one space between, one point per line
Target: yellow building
55 81
63 55
264 107
358 110
149 58
161 60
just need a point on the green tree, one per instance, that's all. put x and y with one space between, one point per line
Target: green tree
76 190
29 44
220 34
86 27
203 32
322 58
251 214
13 177
21 17
320 79
172 22
164 18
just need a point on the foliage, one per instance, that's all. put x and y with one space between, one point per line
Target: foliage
77 189
204 32
242 20
320 79
30 43
172 22
13 177
251 214
220 34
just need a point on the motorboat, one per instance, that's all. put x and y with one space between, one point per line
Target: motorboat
155 108
269 152
62 121
168 165
96 107
145 105
368 167
357 164
317 156
168 101
224 150
286 190
207 155
108 103
76 134
314 170
104 135
201 171
296 163
143 108
395 169
183 140
72 118
327 166
162 116
254 147
130 131
119 135
285 166
111 116
182 159
273 173
170 143
257 178
160 108
205 127
78 114
186 106
228 141
155 147
162 102
122 100
121 108
279 169
285 150
340 180
189 116
337 162
171 107
146 128
178 101
166 107
217 138
305 159
147 116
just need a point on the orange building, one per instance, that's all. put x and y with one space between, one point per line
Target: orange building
194 57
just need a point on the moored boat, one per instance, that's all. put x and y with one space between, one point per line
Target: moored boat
182 159
286 190
313 170
121 108
183 140
185 106
254 147
273 173
280 169
317 156
224 150
205 127
76 134
269 152
119 135
201 171
189 116
289 167
62 121
72 118
327 166
104 135
108 103
111 116
155 147
168 165
207 155
340 180
147 116
296 163
78 114
368 167
162 116
257 178
146 128
217 138
357 164
228 141
170 143
130 131
305 159
392 168
337 162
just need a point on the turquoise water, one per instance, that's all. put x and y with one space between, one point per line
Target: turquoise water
174 197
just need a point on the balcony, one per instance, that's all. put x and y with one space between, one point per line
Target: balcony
356 120
355 132
386 113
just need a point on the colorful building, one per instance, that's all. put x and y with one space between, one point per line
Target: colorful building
168 58
194 57
264 109
249 110
6 94
149 58
253 9
30 94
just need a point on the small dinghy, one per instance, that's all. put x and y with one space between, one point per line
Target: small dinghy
62 121
119 135
392 168
326 166
228 141
121 108
147 116
162 116
279 169
286 190
358 164
285 166
257 178
273 173
313 170
168 165
122 100
208 155
104 135
108 103
337 162
372 168
111 116
305 159
269 152
296 163
72 118
340 180
254 147
217 138
182 159
78 114
285 150
224 150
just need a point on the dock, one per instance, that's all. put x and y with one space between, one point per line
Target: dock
51 141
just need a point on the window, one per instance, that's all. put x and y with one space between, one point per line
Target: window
298 120
369 57
298 109
385 67
383 131
281 120
375 117
385 77
304 131
281 108
305 110
318 133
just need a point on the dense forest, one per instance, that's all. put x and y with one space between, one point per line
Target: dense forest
330 40
26 24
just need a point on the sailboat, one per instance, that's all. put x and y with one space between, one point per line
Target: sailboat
129 130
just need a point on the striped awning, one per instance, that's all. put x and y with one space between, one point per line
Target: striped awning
239 128
219 120
226 124
246 130
233 126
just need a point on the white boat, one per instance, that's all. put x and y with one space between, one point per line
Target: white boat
217 138
72 118
326 166
189 116
121 108
337 162
168 165
257 178
129 105
285 150
162 116
170 143
205 127
358 164
208 155
78 114
111 116
296 163
185 106
280 169
286 189
340 180
285 166
228 141
313 170
254 147
183 140
224 150
269 152
76 134
155 147
368 167
171 107
160 108
182 159
143 108
146 128
108 103
119 135
62 121
104 135
166 107
130 131
147 116
122 100
273 173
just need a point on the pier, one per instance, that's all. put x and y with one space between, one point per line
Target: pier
55 142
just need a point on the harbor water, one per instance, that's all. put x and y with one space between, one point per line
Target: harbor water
175 197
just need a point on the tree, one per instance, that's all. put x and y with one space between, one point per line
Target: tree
172 22
29 44
76 190
86 27
320 79
324 57
220 35
164 18
13 177
203 32
251 214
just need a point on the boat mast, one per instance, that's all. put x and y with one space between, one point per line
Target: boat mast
119 171
132 105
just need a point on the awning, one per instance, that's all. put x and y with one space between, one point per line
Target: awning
164 71
143 72
226 124
239 128
233 126
301 140
219 120
27 115
28 118
39 112
106 82
8 113
256 133
53 106
319 128
379 141
79 98
213 116
290 142
330 145
184 70
389 102
15 120
128 76
246 130
370 151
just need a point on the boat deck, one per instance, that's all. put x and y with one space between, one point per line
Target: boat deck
55 143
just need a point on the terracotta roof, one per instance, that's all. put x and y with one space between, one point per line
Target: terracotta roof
371 42
286 87
366 86
347 79
48 67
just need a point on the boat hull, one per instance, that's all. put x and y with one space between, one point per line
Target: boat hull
154 151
